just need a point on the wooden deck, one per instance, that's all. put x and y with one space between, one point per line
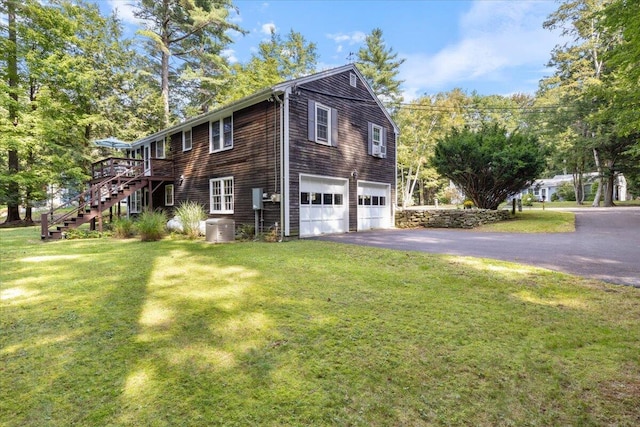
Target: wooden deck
153 170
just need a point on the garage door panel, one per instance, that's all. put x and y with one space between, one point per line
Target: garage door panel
323 206
374 210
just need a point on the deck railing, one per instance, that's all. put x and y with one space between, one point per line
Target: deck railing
103 184
117 166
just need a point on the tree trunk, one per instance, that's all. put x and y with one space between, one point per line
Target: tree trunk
578 188
165 66
596 199
165 87
13 189
611 178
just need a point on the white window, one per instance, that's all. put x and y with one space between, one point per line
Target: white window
323 124
135 200
221 135
186 140
168 195
160 149
221 195
377 141
353 80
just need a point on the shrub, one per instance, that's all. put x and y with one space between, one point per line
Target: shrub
151 225
190 215
566 192
123 228
468 204
74 233
464 154
245 232
528 199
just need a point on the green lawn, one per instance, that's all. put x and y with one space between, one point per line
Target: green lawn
535 221
175 333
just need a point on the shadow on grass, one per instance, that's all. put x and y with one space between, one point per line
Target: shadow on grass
185 333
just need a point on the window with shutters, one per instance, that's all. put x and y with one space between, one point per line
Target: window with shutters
323 124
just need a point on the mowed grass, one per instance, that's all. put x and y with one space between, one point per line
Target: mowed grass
535 221
104 332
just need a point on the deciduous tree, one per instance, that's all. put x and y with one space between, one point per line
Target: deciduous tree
276 60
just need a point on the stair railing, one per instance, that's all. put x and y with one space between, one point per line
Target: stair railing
92 196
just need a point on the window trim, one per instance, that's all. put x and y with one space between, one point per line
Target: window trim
328 124
169 196
221 134
382 143
222 195
332 124
135 202
184 139
161 143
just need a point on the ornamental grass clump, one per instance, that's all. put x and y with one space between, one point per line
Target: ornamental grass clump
151 225
123 228
190 214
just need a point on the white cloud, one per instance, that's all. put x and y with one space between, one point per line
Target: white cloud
352 38
124 11
497 38
230 54
268 28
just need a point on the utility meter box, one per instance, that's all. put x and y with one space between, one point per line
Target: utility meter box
257 199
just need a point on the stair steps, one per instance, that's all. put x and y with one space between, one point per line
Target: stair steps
83 216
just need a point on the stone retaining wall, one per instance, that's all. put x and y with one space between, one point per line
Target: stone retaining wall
448 218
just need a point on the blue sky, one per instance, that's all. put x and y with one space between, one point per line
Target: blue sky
490 46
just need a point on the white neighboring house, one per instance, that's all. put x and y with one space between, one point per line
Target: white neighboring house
543 189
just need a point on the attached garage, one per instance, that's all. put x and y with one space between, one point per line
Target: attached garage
374 205
324 205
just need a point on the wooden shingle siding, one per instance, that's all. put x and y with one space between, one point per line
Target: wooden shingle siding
253 162
355 108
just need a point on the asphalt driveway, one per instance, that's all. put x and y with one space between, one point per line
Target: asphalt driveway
605 245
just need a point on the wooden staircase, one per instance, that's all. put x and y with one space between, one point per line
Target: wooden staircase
108 193
112 180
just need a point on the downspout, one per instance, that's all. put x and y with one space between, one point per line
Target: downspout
395 182
284 163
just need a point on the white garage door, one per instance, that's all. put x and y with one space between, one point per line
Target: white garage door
374 205
324 205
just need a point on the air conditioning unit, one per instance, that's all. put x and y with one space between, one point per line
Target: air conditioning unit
379 151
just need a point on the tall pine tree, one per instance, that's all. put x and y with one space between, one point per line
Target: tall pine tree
381 66
193 32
